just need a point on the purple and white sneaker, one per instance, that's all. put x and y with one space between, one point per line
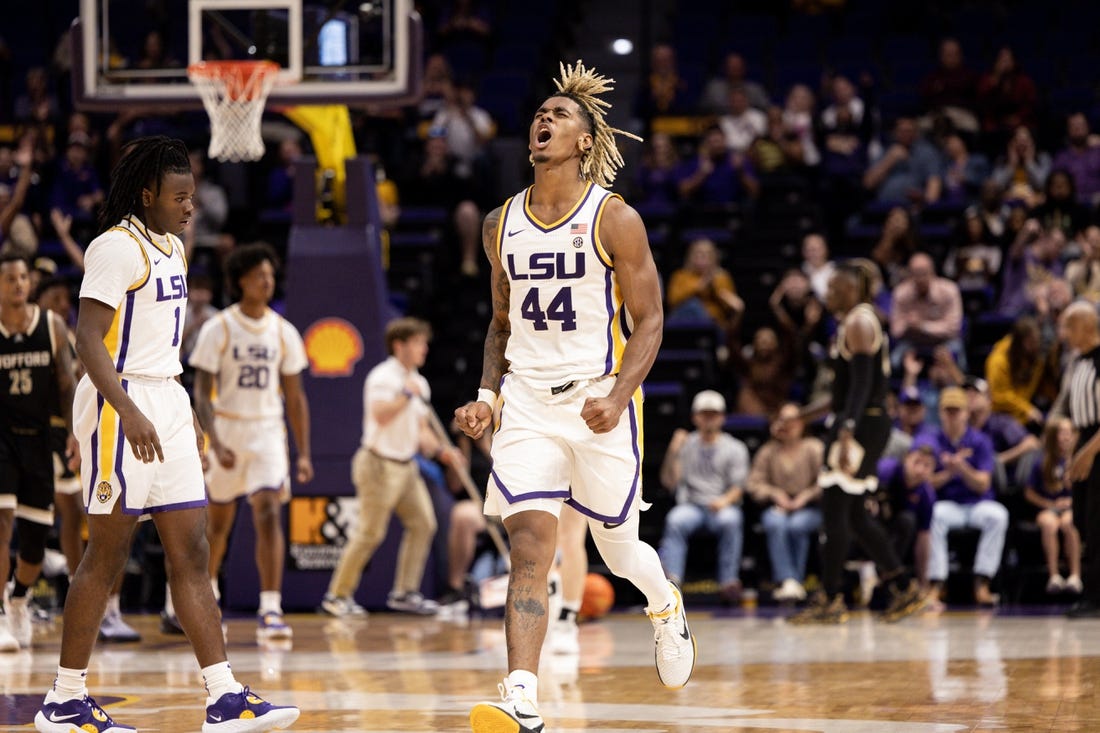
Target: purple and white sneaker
246 712
65 716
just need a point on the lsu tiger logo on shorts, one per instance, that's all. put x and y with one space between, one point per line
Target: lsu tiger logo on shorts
103 492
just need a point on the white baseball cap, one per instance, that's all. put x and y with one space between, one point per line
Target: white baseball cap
708 399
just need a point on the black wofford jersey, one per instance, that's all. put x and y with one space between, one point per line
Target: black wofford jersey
27 375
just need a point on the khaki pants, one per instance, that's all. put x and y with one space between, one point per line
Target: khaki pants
386 487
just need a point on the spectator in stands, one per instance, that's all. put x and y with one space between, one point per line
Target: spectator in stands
664 92
1034 258
16 231
1023 171
926 313
1081 158
816 264
1015 449
952 89
911 415
784 478
1051 300
37 105
1019 370
1083 273
702 290
1049 490
798 121
152 54
845 99
280 181
778 150
963 172
908 172
655 183
465 20
468 129
964 494
716 178
765 374
994 212
1059 208
905 500
716 94
842 142
436 86
743 123
433 180
974 262
798 316
77 191
897 243
1007 98
467 520
706 469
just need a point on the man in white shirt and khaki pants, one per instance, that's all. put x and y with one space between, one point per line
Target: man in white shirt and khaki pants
386 477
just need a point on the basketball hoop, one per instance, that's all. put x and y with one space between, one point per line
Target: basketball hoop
234 93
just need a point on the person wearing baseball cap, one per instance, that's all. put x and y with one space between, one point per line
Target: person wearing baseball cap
963 481
707 470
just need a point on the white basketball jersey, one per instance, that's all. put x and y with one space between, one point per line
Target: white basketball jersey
248 356
143 276
566 309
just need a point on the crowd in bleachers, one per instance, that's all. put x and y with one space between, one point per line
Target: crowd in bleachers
949 144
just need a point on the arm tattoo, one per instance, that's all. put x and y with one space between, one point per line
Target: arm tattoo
494 365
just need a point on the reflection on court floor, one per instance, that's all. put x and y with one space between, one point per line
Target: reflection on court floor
932 674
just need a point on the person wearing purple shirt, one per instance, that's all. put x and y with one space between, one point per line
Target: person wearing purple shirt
965 497
1081 157
716 177
906 498
77 190
1015 449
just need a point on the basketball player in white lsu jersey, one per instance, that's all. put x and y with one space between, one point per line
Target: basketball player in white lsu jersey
252 358
138 440
576 326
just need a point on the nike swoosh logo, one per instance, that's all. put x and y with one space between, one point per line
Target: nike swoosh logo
612 526
512 234
525 715
216 717
55 718
156 262
685 634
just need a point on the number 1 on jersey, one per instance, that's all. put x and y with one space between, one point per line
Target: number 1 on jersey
176 329
560 309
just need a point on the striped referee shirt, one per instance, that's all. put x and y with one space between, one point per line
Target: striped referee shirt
1084 391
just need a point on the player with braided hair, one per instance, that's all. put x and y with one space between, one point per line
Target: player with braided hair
576 325
858 431
140 445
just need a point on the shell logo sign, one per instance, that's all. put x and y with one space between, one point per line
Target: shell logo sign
333 346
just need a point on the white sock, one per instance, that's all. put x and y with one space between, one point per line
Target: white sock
112 605
528 681
169 607
217 592
219 680
271 600
71 684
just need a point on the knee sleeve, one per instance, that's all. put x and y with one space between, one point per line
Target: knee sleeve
31 540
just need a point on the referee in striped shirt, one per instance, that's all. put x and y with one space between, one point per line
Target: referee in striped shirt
1080 330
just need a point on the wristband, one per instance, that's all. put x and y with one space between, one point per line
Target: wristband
487 396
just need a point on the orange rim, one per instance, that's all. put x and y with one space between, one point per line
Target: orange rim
242 79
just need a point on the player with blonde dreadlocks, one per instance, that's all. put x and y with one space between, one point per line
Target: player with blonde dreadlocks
575 328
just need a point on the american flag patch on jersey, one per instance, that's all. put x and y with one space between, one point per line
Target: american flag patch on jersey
578 228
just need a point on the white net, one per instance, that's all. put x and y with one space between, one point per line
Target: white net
234 95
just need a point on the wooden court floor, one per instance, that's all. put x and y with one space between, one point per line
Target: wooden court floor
931 674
